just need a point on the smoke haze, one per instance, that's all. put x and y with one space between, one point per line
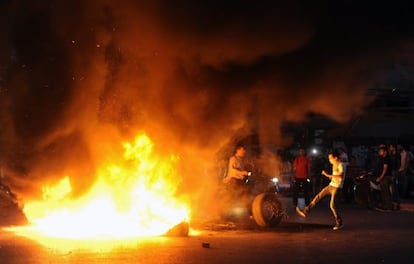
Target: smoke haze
78 77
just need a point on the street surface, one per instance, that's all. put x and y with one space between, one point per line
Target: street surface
368 237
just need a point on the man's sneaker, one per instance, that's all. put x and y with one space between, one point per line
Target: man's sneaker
300 212
337 227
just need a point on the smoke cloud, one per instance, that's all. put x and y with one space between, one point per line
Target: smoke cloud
76 76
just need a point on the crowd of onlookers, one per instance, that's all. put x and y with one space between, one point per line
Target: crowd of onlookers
356 159
353 175
399 180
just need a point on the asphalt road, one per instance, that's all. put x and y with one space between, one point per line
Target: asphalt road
368 237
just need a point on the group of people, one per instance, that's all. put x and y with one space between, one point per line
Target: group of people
390 173
237 171
392 165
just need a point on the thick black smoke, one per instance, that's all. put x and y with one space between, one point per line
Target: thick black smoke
190 73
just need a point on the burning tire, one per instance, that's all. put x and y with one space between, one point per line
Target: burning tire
267 210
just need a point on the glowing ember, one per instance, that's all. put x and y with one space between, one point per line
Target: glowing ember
133 199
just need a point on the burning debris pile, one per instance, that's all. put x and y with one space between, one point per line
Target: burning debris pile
133 199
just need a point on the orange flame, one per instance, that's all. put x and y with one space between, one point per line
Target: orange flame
134 199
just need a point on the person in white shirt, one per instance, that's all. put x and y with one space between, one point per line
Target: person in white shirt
236 171
336 183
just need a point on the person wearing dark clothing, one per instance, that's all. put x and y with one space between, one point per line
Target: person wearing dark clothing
353 171
403 169
395 164
385 179
301 167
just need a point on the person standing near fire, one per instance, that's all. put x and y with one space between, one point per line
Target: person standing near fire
384 179
236 171
336 183
233 189
301 168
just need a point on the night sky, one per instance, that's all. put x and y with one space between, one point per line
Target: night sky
190 73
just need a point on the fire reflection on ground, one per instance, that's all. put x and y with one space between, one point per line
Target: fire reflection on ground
101 244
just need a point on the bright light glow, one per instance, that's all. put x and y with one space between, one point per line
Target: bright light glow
275 180
314 151
239 211
128 200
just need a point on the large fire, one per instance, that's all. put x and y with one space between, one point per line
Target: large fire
133 199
